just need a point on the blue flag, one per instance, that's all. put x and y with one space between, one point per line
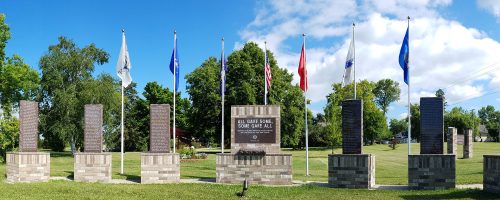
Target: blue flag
174 62
223 70
404 56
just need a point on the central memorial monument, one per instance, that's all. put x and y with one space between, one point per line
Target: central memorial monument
28 165
431 169
255 148
159 165
93 165
352 168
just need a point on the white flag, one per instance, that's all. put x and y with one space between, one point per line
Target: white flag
123 66
348 65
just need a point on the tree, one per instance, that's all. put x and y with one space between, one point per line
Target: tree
462 120
386 91
374 123
4 36
415 121
440 93
9 128
67 85
398 126
491 119
244 86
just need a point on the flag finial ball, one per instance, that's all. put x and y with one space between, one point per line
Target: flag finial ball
303 34
222 38
123 30
408 17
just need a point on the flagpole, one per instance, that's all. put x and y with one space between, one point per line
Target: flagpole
122 129
305 109
223 91
354 58
265 75
175 90
409 104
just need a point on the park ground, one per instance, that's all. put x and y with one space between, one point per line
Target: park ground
391 169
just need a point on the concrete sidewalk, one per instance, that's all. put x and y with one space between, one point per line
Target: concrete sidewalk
294 183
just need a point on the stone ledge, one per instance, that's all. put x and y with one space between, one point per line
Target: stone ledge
431 171
271 169
92 167
28 167
351 170
160 168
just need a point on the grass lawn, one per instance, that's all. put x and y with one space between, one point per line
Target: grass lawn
391 168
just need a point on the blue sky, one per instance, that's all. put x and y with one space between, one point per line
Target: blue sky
453 44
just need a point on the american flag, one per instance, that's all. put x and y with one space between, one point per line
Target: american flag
267 69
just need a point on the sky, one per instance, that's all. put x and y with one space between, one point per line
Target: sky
454 45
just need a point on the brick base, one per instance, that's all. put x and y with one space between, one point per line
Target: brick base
431 171
28 167
160 168
92 167
271 169
491 173
351 170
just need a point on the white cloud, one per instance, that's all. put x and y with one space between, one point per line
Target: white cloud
443 53
492 6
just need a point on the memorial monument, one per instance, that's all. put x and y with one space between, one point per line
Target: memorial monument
255 148
452 140
159 165
431 169
28 165
352 168
491 173
468 143
93 165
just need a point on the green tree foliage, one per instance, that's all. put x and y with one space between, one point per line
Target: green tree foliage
9 137
415 121
374 122
462 120
386 91
398 126
244 86
18 81
490 118
67 85
440 93
4 36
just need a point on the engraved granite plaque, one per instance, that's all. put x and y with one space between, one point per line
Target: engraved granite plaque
28 114
352 126
255 130
93 128
159 128
431 125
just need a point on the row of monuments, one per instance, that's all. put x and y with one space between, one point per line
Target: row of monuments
255 150
93 165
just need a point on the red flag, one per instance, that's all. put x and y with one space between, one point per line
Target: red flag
303 70
268 73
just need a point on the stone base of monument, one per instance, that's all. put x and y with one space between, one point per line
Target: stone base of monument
491 173
160 168
431 171
92 167
28 167
269 169
351 170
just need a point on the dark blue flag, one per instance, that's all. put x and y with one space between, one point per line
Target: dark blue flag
175 63
404 56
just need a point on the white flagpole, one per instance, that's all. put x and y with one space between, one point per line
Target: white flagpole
409 104
223 90
354 58
265 73
305 108
122 129
175 91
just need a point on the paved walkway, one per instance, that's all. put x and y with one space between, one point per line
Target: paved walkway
294 183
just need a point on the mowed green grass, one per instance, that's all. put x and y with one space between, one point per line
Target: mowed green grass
391 168
391 165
